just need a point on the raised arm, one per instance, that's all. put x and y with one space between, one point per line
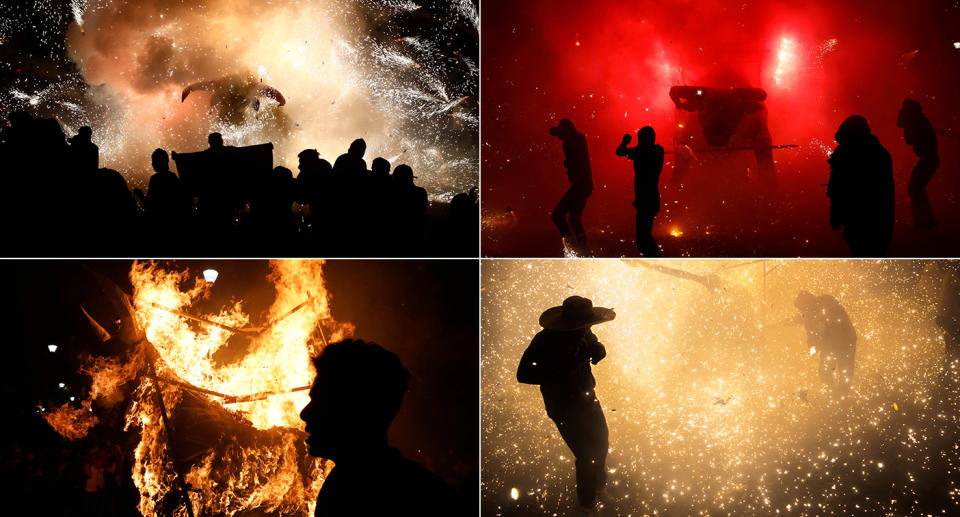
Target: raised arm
622 150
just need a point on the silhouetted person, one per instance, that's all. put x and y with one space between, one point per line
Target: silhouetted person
357 392
558 359
948 311
84 154
577 162
351 164
861 189
831 333
410 207
167 204
647 158
216 204
919 134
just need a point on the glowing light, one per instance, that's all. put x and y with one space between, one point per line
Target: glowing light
699 92
712 393
210 275
785 60
62 385
514 494
680 125
813 350
956 44
52 348
576 43
676 232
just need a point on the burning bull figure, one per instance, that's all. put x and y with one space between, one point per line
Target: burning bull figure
732 119
232 94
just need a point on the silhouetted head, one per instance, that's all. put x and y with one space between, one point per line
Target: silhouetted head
215 140
380 167
403 174
911 106
805 301
84 134
910 110
357 392
308 159
160 160
646 136
357 148
564 129
282 172
576 313
853 130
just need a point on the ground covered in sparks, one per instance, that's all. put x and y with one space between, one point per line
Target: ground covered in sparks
712 397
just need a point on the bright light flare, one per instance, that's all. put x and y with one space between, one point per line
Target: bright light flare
52 348
786 60
210 275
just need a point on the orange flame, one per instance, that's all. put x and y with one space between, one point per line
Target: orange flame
234 428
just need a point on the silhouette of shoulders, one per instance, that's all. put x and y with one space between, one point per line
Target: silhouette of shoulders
384 483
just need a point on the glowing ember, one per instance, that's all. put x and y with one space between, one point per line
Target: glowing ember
675 232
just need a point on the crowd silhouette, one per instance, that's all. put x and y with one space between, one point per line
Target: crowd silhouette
860 187
59 201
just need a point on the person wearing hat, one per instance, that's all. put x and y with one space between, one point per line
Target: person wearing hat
830 332
577 162
558 359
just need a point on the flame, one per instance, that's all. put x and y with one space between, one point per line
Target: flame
231 431
72 423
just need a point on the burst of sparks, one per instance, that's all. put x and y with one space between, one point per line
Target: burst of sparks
713 402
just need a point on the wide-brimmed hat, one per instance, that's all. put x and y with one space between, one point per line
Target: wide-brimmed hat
576 313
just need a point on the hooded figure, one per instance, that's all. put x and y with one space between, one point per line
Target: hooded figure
861 189
577 162
647 159
558 359
830 332
919 134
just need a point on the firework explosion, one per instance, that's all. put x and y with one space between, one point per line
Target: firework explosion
711 393
401 75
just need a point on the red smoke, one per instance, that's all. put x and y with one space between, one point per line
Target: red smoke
608 67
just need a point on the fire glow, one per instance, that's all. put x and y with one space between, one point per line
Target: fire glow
346 69
236 437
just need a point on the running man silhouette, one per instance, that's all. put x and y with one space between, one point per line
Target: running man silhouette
558 359
577 162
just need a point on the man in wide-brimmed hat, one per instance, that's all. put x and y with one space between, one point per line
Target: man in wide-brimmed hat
558 359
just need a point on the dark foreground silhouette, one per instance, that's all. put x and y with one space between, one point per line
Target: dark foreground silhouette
647 158
58 201
558 359
861 189
357 392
